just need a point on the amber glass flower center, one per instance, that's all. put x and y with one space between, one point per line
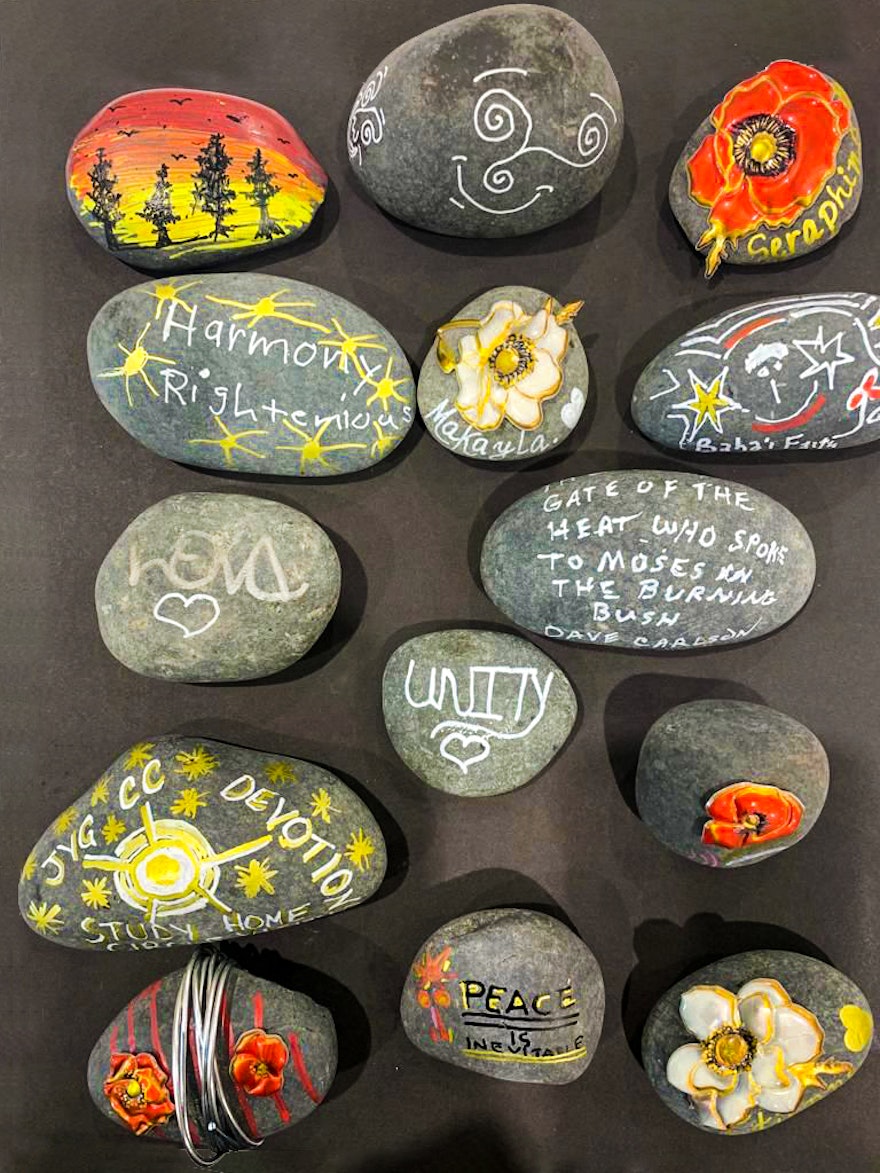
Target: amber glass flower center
763 145
512 358
731 1048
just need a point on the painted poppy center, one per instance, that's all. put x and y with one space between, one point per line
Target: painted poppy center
261 1069
731 1048
753 821
512 358
132 1089
763 145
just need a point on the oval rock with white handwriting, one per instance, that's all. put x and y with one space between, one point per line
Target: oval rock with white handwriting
498 123
251 373
476 712
185 839
216 586
791 374
649 560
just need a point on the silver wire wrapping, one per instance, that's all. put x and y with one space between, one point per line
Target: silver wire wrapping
198 1007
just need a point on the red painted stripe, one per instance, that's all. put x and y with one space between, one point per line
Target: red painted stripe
114 1039
795 421
153 992
131 1032
230 1046
302 1074
282 1108
258 1010
750 329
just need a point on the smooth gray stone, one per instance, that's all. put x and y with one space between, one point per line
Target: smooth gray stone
138 1044
507 992
773 772
247 372
476 712
648 559
439 393
216 586
498 123
792 374
129 864
838 1005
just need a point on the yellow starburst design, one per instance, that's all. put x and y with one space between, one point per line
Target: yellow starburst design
112 829
280 773
708 403
359 849
101 791
139 755
167 293
45 919
386 388
322 805
269 307
95 893
229 441
311 451
349 344
65 821
188 802
196 764
29 867
383 442
135 363
256 878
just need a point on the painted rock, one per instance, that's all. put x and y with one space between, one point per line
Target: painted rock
507 379
498 123
727 783
184 840
276 1058
476 712
746 1043
216 586
774 172
253 373
172 179
507 992
649 560
792 374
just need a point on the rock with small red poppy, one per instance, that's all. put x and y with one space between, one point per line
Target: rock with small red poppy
727 783
774 172
507 992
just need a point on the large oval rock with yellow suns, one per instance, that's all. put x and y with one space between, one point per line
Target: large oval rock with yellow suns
250 373
747 1042
185 839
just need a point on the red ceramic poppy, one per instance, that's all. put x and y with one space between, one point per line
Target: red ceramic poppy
747 813
137 1093
258 1063
776 140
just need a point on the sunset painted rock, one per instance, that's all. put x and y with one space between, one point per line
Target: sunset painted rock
184 839
746 1043
793 374
498 123
173 179
774 172
253 373
648 559
507 992
276 1052
507 378
726 783
216 586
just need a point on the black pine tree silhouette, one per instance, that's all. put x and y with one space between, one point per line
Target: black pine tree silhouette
158 210
105 201
212 190
263 189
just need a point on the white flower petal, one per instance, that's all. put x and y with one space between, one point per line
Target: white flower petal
469 351
521 410
707 1113
554 339
498 323
543 380
705 1008
756 1013
768 1069
681 1063
469 383
769 986
536 327
703 1077
736 1105
784 1099
798 1033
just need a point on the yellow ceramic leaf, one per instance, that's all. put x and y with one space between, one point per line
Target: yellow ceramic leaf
859 1027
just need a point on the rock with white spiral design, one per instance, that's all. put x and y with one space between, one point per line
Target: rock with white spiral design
499 123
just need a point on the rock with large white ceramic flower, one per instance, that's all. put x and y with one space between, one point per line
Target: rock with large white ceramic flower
507 378
747 1042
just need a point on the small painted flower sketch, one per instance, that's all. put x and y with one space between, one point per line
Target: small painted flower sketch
258 1062
745 814
433 973
136 1089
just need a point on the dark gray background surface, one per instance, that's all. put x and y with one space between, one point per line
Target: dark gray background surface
409 537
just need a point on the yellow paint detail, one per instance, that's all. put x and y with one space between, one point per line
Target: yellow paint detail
502 1057
256 877
312 451
133 1088
763 147
269 307
94 893
386 388
163 870
29 867
280 773
229 441
65 821
135 364
101 791
349 344
139 755
359 849
189 801
44 918
322 805
859 1027
196 764
167 293
112 829
506 361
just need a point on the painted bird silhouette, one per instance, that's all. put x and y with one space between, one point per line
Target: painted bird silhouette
118 106
180 101
284 140
127 133
236 118
173 156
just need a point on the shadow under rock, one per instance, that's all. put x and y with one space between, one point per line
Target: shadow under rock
474 1148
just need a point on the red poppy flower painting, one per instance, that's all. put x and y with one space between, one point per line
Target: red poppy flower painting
137 1091
258 1062
745 814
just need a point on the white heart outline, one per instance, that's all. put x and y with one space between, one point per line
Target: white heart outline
465 739
187 601
574 409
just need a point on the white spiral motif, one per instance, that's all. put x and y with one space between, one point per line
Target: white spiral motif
366 123
593 135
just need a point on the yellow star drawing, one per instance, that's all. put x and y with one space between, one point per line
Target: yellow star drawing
311 451
29 867
95 893
386 388
139 755
188 802
874 323
43 918
708 403
322 806
135 363
255 878
383 442
280 773
112 829
101 791
349 344
167 292
359 849
196 764
65 821
229 441
269 307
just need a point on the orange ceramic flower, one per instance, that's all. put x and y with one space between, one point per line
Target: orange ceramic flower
747 813
258 1063
137 1093
775 145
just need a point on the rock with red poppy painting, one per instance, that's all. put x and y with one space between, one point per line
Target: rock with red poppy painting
747 1042
774 172
174 179
507 992
276 1059
727 783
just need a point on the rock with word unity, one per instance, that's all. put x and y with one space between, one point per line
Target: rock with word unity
216 586
171 179
727 783
476 712
647 559
507 378
507 992
498 123
774 172
746 1043
251 373
792 374
184 839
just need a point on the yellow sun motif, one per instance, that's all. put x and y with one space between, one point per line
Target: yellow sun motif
280 773
229 442
708 403
188 802
349 344
322 805
101 791
383 442
135 363
43 918
196 764
112 829
29 867
312 450
359 849
269 307
95 893
139 754
65 821
255 878
167 293
385 389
